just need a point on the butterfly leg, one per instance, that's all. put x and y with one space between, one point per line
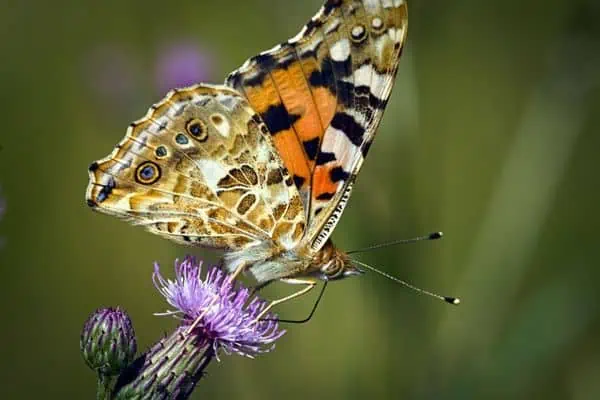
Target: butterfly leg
310 283
199 318
238 270
310 315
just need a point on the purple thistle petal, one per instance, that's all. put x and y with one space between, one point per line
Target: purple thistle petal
228 314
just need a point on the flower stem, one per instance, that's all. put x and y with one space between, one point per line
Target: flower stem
104 387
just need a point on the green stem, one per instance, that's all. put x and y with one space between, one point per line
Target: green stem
104 387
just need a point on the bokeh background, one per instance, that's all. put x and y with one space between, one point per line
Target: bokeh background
491 135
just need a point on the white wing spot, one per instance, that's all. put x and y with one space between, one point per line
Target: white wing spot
337 142
299 36
221 123
310 46
395 34
340 51
366 75
377 23
358 31
372 6
212 171
332 26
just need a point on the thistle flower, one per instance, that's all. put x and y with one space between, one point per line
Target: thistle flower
215 317
108 343
227 316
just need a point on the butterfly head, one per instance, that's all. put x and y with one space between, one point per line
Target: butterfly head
335 264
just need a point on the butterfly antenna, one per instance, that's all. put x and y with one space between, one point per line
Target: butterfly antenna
452 300
431 236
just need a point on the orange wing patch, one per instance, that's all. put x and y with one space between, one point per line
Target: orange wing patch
324 188
290 150
296 114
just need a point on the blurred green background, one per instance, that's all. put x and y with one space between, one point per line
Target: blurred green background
491 135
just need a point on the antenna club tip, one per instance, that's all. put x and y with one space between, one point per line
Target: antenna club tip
436 235
452 300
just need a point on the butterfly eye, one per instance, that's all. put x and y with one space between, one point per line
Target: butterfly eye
333 270
147 173
197 128
358 33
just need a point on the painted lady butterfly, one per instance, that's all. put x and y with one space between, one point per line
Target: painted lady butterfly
263 166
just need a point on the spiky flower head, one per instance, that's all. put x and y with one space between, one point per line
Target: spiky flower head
214 309
108 342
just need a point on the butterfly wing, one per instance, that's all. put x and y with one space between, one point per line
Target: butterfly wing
200 168
322 95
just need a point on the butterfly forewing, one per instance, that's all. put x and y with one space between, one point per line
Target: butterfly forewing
322 95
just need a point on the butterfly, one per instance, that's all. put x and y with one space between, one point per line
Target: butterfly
263 166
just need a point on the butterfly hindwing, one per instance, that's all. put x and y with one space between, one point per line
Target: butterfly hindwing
322 95
200 168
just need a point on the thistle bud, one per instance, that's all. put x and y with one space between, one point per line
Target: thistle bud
108 343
